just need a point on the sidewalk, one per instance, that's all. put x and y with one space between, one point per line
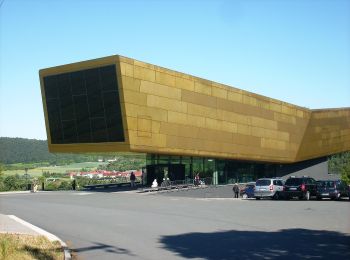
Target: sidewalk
10 225
14 225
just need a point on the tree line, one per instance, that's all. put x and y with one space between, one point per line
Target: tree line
31 151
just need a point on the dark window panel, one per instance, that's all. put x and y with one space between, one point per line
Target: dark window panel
84 106
78 83
63 85
108 78
92 81
116 134
96 106
56 131
115 128
81 107
67 108
53 107
54 118
69 131
111 103
84 131
51 90
98 129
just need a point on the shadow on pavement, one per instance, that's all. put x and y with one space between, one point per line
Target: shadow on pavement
222 191
105 248
283 244
111 189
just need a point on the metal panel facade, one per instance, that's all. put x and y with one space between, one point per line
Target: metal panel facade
168 112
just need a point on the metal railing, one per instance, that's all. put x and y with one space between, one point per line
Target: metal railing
188 183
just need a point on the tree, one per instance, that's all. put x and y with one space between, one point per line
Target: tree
340 164
345 172
2 186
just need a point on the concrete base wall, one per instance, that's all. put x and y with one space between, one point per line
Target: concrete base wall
316 168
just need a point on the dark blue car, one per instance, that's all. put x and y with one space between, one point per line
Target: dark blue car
248 191
333 189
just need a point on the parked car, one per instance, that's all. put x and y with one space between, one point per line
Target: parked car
268 188
247 191
52 179
333 189
300 187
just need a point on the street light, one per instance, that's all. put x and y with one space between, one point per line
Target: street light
27 176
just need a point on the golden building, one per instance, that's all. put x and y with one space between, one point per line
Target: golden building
121 104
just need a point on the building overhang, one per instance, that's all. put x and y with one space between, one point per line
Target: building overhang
162 111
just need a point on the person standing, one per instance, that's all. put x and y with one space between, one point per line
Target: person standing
235 189
132 179
196 179
154 184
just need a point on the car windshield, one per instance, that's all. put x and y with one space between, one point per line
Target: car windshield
294 181
249 186
263 182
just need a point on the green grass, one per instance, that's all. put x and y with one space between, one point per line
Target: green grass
26 247
36 172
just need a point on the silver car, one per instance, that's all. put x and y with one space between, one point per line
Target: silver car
268 188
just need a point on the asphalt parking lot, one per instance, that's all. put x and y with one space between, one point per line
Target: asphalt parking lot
199 224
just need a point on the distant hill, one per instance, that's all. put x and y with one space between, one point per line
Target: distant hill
21 150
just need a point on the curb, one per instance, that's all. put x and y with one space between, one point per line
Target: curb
25 192
51 237
14 192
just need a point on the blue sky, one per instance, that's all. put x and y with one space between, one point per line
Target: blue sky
296 51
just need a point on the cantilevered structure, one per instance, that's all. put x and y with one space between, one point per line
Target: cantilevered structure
120 104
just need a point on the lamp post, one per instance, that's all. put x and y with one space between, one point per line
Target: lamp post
26 175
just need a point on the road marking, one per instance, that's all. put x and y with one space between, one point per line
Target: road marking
210 199
82 194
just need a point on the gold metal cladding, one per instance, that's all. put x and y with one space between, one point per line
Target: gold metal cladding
169 112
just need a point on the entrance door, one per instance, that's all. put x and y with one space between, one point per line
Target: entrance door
161 171
176 172
155 172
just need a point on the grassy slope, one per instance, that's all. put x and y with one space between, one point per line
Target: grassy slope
56 169
27 247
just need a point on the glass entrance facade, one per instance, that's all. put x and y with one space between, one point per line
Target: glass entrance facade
220 171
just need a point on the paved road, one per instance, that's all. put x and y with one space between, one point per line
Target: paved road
100 225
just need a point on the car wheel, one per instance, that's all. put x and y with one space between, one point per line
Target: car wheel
257 198
245 196
307 195
319 198
276 196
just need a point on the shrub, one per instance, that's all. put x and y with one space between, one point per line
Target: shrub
14 182
65 185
